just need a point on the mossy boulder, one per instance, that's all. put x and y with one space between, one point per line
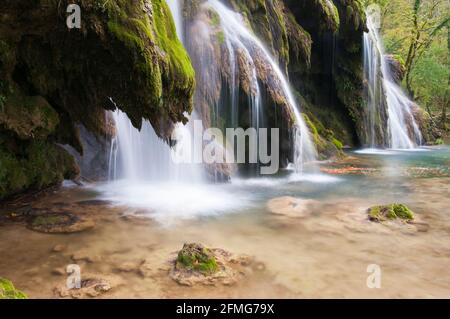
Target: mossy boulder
197 265
390 212
198 258
8 291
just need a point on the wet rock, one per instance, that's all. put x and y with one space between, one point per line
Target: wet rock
127 267
350 171
59 272
198 265
198 258
60 223
90 287
85 256
94 202
390 212
140 217
145 270
8 291
292 207
58 248
396 67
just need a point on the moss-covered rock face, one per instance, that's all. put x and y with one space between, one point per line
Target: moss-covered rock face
198 258
332 89
8 291
327 144
32 165
390 212
52 80
277 27
319 46
316 15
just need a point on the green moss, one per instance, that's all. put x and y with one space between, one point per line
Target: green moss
198 258
171 78
327 15
337 143
267 20
354 13
314 132
214 19
8 291
390 212
220 37
300 41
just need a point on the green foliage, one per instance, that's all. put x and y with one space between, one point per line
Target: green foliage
432 72
417 31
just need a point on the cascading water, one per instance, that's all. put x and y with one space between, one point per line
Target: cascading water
142 172
239 40
387 103
141 156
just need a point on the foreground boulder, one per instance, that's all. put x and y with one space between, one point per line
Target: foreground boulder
390 212
8 291
197 258
198 265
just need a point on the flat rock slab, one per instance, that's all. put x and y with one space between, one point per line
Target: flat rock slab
60 223
292 207
91 286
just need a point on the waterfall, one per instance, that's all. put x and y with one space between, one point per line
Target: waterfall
141 156
389 118
240 41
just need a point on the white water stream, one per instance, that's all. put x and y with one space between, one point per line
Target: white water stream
402 131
